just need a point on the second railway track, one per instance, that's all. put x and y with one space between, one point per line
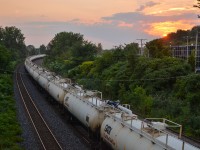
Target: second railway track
45 135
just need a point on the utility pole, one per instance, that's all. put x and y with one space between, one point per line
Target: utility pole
196 52
187 48
141 48
197 57
187 51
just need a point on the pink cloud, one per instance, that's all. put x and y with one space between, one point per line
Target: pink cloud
124 24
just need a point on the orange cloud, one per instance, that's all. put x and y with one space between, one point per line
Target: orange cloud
170 11
163 28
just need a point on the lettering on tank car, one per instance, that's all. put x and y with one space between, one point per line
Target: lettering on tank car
108 129
109 139
66 102
67 98
87 118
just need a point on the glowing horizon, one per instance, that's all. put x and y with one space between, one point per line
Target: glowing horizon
111 22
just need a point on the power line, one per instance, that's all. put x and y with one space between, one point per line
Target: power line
84 79
153 79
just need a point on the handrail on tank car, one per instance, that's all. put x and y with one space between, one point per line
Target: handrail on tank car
81 95
172 125
140 132
167 123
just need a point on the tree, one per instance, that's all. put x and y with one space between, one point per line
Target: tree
157 49
5 58
31 50
138 98
84 51
132 50
85 67
13 40
99 48
62 43
71 46
191 60
68 50
103 62
1 35
118 53
42 49
198 4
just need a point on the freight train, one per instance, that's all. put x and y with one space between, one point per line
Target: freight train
114 122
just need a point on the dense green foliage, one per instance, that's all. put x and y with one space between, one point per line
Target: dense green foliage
9 128
11 49
67 50
157 49
5 58
13 40
160 86
31 50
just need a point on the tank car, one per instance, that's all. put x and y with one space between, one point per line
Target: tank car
125 131
87 108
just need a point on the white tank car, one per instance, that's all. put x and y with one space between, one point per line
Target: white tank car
43 81
86 107
57 91
53 84
124 131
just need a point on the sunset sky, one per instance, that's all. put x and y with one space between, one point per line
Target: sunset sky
110 22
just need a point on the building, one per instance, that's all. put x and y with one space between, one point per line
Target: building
185 51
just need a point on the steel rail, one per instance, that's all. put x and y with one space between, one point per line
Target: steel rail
48 142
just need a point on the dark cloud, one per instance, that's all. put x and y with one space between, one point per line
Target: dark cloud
135 17
148 4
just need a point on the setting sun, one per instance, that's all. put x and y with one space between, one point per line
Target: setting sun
164 35
164 28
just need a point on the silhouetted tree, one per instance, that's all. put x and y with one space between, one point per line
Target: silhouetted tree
42 49
198 4
31 50
13 40
157 49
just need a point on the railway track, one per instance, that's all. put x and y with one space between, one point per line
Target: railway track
45 135
188 139
83 133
